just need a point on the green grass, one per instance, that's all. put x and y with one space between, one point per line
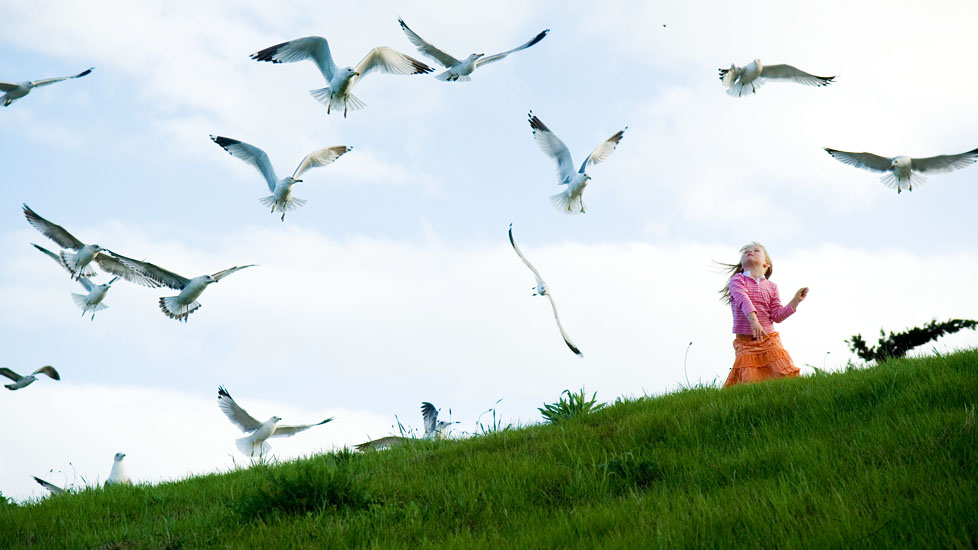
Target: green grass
879 457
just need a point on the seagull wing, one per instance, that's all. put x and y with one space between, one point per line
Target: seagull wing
250 154
238 416
315 48
10 374
944 163
320 157
52 231
603 151
498 56
286 431
114 264
866 161
54 257
787 72
55 490
46 81
551 145
389 60
382 443
430 415
522 257
426 48
86 282
224 273
7 86
48 370
563 333
155 273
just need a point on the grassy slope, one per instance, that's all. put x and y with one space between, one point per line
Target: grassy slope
870 458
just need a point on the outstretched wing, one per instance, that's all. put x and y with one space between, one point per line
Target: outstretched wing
787 72
944 163
426 48
389 60
563 333
286 431
314 48
57 259
55 490
250 154
238 416
430 415
382 443
498 56
155 273
52 231
321 157
866 161
603 151
550 144
10 374
224 273
48 370
113 263
522 257
46 81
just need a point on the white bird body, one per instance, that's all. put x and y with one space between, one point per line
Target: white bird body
254 443
14 91
118 474
92 301
337 94
570 201
459 70
24 381
741 80
281 198
904 172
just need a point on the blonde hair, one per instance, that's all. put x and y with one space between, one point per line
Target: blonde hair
736 268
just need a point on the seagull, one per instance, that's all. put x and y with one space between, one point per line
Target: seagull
432 430
904 172
541 289
254 443
22 381
51 487
15 91
179 307
340 81
96 293
118 474
281 198
570 200
460 70
77 263
740 80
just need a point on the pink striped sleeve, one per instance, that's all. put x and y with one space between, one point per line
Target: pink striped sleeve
739 297
778 312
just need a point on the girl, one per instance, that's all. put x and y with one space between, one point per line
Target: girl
756 307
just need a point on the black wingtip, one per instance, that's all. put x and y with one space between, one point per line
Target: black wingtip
268 54
224 142
538 38
221 392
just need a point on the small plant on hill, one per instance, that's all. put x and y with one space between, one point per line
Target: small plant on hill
576 404
898 344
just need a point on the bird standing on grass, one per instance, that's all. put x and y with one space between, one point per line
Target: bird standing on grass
14 91
904 172
459 71
118 474
253 444
281 198
433 429
741 80
24 381
337 94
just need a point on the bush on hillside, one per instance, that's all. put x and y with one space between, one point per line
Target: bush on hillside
898 344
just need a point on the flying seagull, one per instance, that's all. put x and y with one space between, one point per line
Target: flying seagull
96 293
339 81
254 443
460 70
118 474
541 289
433 429
51 487
22 381
77 263
179 307
14 91
281 198
570 200
741 80
904 172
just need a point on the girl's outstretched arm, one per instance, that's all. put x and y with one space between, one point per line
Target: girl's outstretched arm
800 295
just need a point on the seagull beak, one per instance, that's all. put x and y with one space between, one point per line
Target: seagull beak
355 73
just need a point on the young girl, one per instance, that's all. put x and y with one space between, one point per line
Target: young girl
756 307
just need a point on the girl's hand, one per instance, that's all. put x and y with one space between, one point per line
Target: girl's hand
800 295
755 325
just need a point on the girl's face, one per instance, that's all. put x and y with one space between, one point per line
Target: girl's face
754 256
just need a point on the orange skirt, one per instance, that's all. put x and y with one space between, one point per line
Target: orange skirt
760 360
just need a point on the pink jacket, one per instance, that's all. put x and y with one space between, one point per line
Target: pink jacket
759 296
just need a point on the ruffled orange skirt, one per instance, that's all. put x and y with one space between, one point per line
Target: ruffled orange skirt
760 360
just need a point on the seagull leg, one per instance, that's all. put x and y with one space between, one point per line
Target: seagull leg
283 216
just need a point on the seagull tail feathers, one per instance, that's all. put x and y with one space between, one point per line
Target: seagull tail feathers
175 310
566 204
289 205
890 180
450 76
336 102
81 301
252 448
739 89
69 260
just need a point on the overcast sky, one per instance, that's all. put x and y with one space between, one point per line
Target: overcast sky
395 283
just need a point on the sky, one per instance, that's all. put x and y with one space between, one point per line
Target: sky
395 283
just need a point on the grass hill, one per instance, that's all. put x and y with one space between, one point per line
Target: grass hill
877 457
